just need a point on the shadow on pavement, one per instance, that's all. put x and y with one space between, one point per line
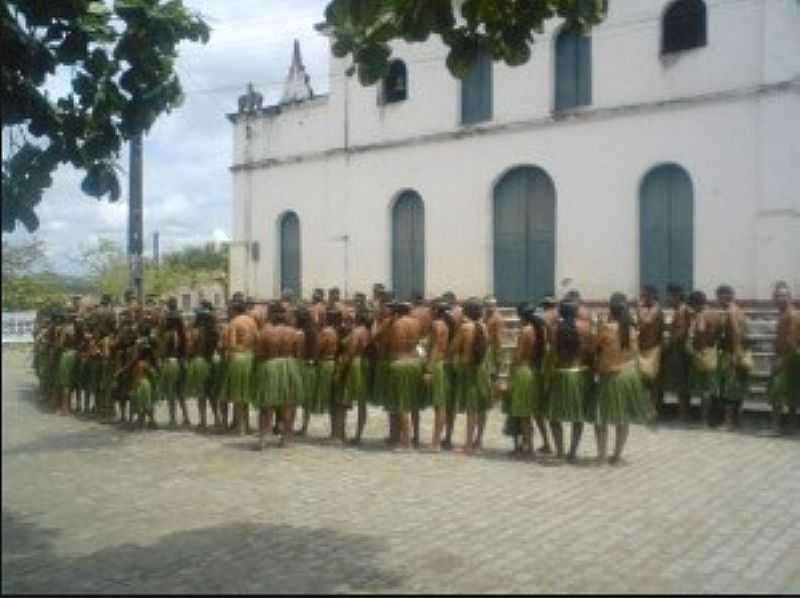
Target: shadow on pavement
243 557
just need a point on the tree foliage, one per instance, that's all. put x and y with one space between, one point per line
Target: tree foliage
123 78
26 281
107 268
363 29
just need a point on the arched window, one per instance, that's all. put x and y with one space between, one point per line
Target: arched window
476 90
289 225
666 228
408 246
573 70
524 235
395 84
684 26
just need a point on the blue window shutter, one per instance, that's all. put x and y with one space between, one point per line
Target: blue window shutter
408 246
290 254
573 70
476 91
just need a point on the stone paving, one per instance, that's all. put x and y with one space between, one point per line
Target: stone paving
94 508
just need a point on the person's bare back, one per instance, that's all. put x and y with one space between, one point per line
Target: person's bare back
403 337
328 343
526 341
242 334
423 315
440 340
651 326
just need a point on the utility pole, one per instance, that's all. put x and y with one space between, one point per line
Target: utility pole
156 254
136 220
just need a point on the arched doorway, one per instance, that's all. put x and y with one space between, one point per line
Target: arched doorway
524 235
408 245
666 228
290 253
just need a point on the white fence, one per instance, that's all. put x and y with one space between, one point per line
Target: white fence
18 326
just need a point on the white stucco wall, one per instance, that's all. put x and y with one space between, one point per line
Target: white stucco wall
739 142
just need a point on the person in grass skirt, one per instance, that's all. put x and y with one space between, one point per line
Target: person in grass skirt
172 359
675 360
354 370
144 373
526 386
784 384
701 346
307 344
732 372
620 398
572 382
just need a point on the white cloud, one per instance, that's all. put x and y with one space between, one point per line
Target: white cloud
187 185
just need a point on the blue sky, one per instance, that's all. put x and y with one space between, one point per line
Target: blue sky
187 185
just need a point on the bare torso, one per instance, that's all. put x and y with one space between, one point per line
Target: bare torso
440 340
610 354
328 343
651 326
242 334
404 335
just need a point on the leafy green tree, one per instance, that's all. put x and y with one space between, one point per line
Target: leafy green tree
123 78
26 282
363 29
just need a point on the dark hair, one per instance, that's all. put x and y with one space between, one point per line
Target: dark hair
402 309
480 344
305 322
522 308
441 311
674 288
724 289
568 339
619 312
650 291
541 340
333 318
573 296
697 299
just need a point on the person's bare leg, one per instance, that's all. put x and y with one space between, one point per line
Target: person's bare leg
577 432
362 421
306 419
438 424
288 425
404 436
706 410
527 436
601 434
481 428
557 429
619 442
415 425
262 428
450 422
185 412
542 426
472 422
202 408
173 420
730 417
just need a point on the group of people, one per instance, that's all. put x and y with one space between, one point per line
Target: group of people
329 356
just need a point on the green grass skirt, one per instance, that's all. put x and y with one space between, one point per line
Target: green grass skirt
198 371
379 394
470 393
621 398
170 379
237 378
731 385
703 384
308 373
356 389
441 384
144 396
404 385
784 387
278 382
67 369
570 394
323 397
525 392
675 368
216 377
105 379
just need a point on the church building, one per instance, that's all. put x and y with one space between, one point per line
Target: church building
663 147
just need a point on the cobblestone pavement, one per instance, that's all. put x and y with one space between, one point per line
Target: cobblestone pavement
89 507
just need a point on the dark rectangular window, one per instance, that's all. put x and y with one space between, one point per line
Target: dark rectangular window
476 91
